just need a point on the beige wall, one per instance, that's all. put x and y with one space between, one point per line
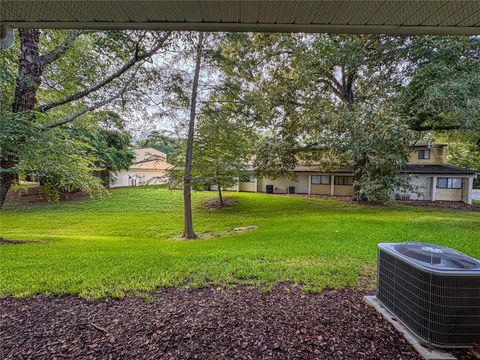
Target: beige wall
437 156
248 186
320 189
343 190
281 185
449 194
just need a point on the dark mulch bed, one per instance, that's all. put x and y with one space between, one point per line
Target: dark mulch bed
347 199
238 323
214 204
32 196
441 204
456 205
4 241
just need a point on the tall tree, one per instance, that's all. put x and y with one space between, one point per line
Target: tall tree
324 91
40 68
188 232
223 145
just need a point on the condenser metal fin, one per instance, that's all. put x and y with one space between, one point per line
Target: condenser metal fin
433 290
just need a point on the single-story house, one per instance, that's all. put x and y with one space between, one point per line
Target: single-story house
149 168
427 167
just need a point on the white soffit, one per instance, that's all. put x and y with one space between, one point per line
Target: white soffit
337 16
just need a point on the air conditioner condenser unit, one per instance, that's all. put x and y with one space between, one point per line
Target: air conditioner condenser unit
433 290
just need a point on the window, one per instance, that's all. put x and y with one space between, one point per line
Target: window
424 154
248 178
343 180
320 179
449 183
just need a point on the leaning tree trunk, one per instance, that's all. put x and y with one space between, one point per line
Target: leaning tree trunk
188 232
29 74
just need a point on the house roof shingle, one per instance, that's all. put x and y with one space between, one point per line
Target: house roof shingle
431 145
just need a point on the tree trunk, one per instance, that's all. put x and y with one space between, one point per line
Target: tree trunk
188 232
358 170
29 74
6 180
220 198
29 71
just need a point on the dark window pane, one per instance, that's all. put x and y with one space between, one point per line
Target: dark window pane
442 183
455 183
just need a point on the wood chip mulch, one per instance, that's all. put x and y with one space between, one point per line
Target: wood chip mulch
456 205
214 204
209 323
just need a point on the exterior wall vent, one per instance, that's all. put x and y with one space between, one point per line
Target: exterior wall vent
433 290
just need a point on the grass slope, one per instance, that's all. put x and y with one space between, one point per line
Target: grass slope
107 247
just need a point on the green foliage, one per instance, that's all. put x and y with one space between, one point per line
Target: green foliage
222 151
70 157
14 127
109 144
161 141
463 149
332 92
378 143
444 90
62 163
128 242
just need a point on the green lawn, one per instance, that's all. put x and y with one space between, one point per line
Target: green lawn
129 242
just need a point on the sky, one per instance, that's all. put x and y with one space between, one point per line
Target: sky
158 113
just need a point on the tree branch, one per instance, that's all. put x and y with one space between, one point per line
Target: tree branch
136 58
72 117
336 91
60 49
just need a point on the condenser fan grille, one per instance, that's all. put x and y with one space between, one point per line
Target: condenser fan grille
435 256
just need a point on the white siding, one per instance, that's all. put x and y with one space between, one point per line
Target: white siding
138 178
423 184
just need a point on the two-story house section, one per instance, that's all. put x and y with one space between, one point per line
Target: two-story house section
427 169
435 179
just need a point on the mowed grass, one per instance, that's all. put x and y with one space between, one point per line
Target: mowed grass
129 242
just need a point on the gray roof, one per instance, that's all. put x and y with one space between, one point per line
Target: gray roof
433 145
437 169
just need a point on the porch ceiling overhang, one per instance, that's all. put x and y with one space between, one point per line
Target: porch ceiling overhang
335 16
